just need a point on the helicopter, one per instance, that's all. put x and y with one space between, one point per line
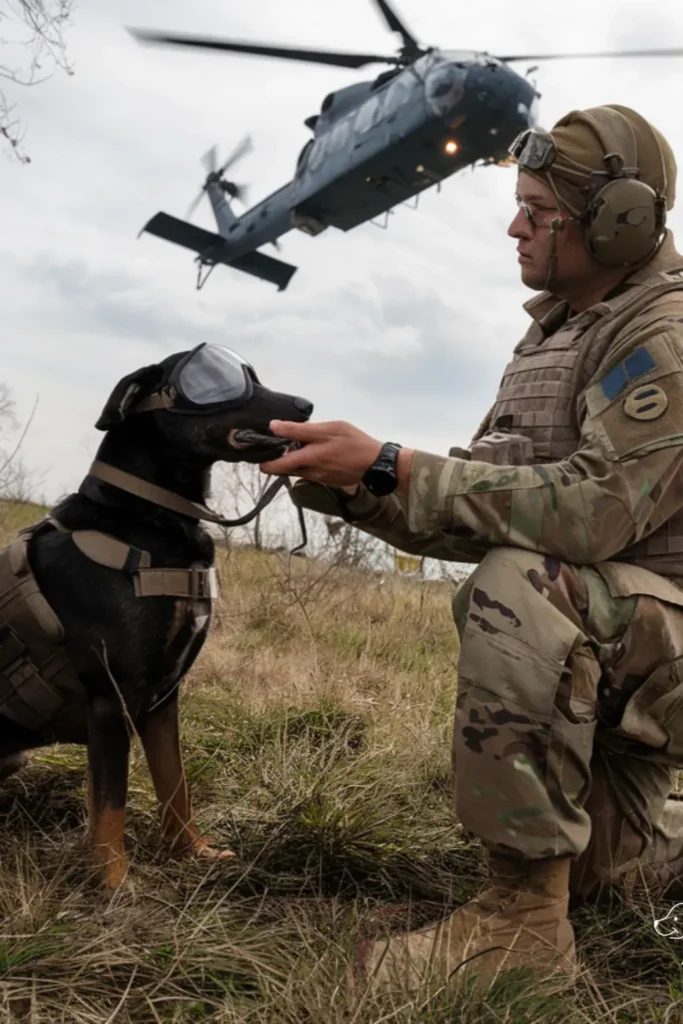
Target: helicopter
375 144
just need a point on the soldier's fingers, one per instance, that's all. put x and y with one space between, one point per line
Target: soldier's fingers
305 432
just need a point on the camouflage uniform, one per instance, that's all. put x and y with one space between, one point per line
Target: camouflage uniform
570 709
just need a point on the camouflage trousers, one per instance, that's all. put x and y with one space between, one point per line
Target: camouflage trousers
569 715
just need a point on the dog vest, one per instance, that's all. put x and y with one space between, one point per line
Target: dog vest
39 688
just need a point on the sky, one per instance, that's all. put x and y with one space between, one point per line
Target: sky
404 332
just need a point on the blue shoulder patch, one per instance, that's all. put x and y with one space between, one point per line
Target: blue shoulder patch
615 382
634 366
639 363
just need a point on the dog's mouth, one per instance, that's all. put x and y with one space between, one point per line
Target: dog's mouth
245 438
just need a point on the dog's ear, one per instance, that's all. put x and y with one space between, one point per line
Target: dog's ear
127 393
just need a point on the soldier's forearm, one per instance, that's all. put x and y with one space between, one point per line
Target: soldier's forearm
387 520
582 510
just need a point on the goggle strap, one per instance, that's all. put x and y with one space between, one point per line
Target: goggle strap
161 400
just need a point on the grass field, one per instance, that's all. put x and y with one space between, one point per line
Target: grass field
316 729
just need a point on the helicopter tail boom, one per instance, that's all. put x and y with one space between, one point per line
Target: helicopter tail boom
212 249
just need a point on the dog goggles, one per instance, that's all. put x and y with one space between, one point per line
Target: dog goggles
207 378
534 150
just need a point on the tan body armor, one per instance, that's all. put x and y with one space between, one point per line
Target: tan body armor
537 412
39 688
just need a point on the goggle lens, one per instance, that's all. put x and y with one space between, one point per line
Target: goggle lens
533 150
214 374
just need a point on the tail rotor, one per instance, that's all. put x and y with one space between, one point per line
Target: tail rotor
216 174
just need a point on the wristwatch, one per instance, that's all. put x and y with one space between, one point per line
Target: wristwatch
382 477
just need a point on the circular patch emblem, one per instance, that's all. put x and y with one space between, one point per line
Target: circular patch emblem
646 403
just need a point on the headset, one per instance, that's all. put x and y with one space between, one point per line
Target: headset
624 218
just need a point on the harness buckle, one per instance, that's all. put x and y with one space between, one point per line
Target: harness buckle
203 583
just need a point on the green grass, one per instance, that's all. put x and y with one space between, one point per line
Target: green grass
316 733
15 515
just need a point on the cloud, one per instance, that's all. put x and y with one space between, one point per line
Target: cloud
404 331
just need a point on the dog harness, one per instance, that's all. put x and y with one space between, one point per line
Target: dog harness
39 687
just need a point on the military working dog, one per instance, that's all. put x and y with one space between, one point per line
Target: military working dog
106 603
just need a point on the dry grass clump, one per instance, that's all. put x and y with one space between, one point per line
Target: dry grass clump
316 729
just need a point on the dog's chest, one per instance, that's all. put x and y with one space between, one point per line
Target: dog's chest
184 639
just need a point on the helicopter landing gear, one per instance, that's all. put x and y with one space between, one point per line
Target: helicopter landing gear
201 281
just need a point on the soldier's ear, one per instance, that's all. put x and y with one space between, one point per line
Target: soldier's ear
127 393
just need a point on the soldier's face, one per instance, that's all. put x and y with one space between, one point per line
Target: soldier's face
537 209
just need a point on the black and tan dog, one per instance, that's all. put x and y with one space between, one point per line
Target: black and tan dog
126 569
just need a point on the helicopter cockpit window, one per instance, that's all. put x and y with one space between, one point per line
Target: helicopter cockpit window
444 88
369 114
426 62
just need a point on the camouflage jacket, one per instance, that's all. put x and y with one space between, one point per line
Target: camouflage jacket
614 491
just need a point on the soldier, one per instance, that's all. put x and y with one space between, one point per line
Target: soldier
569 714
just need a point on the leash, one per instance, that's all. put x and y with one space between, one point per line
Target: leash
193 509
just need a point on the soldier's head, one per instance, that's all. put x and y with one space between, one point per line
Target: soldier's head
592 196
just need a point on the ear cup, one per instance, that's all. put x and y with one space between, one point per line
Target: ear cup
624 222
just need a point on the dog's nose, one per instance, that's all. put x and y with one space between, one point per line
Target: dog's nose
303 406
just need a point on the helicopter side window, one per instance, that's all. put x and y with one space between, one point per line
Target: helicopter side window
397 94
369 114
338 135
317 154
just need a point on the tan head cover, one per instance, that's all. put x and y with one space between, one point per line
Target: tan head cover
584 137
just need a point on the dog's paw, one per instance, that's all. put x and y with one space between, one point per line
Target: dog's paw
207 851
12 763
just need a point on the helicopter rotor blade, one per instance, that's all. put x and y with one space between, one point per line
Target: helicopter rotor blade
344 60
210 159
193 206
239 151
396 25
611 53
240 192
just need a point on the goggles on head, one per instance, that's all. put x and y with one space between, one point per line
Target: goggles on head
533 150
207 378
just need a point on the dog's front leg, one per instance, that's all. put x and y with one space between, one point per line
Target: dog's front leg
160 735
108 753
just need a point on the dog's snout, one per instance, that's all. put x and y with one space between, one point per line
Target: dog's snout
304 407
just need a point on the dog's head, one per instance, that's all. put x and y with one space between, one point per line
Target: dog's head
207 402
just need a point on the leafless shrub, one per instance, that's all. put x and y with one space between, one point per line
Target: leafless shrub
15 479
33 46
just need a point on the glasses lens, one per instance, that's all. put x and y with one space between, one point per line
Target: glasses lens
214 374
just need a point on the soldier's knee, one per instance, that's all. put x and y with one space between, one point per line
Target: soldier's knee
499 574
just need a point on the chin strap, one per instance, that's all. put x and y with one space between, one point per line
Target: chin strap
193 509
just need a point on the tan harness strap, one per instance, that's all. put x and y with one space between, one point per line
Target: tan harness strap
190 583
193 584
151 492
110 552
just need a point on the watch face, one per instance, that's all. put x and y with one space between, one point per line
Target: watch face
380 481
381 478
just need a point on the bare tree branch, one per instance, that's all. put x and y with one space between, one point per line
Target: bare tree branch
15 480
32 47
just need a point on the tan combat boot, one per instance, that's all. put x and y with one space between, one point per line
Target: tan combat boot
521 919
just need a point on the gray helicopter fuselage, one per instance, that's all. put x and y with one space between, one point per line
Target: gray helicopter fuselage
379 143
